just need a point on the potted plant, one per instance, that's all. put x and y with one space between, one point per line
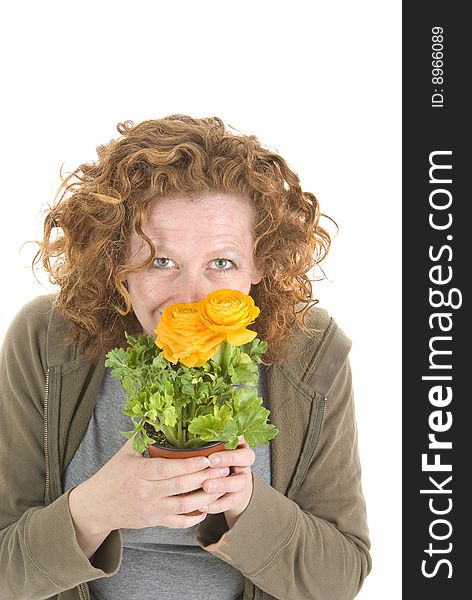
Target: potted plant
194 387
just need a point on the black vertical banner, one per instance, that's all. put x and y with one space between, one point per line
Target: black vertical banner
437 257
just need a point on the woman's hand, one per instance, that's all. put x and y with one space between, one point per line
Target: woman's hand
236 489
131 491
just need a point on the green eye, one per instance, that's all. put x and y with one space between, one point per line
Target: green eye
223 264
161 262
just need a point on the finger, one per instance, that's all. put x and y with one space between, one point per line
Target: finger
188 483
241 457
185 521
187 503
214 472
155 469
222 504
231 484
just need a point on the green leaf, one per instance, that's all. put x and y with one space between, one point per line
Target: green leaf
242 369
210 426
254 349
141 441
251 417
169 416
230 435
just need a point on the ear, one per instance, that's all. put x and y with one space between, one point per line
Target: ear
256 276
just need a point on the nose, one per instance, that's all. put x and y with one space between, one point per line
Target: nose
191 287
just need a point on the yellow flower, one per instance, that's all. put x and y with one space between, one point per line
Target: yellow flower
228 313
183 337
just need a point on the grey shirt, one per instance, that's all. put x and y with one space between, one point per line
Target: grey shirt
158 562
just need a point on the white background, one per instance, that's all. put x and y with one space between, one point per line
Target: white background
317 81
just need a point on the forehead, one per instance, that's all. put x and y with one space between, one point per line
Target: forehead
214 213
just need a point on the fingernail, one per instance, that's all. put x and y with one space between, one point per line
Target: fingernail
210 487
203 462
214 459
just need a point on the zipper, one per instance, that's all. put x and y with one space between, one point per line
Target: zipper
309 452
325 408
81 587
317 427
45 440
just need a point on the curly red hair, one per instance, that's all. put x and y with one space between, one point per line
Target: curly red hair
100 204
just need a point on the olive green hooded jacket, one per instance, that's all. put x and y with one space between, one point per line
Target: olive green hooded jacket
303 538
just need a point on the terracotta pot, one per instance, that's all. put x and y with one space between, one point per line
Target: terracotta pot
163 452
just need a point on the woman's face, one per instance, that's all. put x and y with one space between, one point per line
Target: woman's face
202 244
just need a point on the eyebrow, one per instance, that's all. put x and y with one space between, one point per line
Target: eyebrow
228 247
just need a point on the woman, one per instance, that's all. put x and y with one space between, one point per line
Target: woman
171 210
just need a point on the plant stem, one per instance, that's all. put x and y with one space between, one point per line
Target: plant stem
180 435
169 433
228 351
